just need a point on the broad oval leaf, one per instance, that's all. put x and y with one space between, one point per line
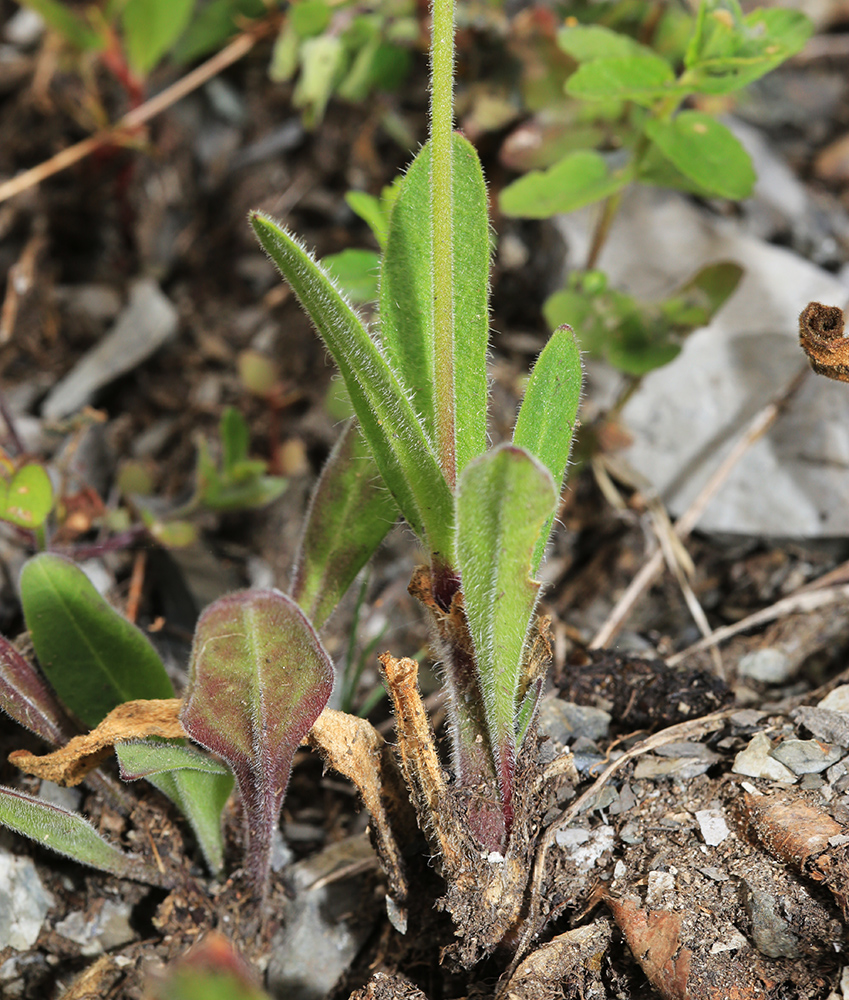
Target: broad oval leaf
642 79
29 497
585 42
70 834
504 499
579 179
546 421
350 513
406 294
704 150
401 449
151 27
93 657
258 679
198 785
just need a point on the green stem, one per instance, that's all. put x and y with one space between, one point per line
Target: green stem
441 125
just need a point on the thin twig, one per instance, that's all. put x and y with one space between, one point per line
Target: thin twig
131 121
799 603
682 730
761 423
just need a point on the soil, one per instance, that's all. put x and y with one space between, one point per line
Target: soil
633 896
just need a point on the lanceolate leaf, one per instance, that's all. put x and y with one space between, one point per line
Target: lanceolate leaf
94 658
406 295
400 446
546 419
577 180
70 834
350 512
198 785
29 701
504 499
258 679
706 151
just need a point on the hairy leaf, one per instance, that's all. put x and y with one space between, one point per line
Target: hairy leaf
706 151
70 834
504 499
398 442
28 700
578 179
546 420
258 679
350 512
198 785
406 295
94 658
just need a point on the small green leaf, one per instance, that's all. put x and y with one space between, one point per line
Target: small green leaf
258 679
28 499
579 179
235 438
350 512
70 834
355 271
198 785
406 295
322 63
546 420
706 151
401 449
585 42
372 211
504 499
71 27
642 79
94 658
213 25
310 17
151 27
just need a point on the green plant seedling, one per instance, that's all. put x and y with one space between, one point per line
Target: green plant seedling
639 95
26 498
258 679
633 336
239 482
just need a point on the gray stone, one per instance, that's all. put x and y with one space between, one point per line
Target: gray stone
769 666
324 927
807 756
770 932
147 322
681 761
824 723
836 700
564 721
24 902
109 927
755 761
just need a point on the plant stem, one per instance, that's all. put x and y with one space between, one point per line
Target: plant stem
602 228
442 210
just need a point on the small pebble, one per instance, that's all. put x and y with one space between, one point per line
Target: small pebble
837 700
713 826
807 756
755 761
769 666
826 724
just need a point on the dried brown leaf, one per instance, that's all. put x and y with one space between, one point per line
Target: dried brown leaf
821 334
654 937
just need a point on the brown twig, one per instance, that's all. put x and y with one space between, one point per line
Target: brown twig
131 121
759 425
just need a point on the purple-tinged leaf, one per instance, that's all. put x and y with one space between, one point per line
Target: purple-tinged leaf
70 834
26 697
258 679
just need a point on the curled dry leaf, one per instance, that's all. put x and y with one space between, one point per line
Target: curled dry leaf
131 721
821 334
654 937
355 749
804 837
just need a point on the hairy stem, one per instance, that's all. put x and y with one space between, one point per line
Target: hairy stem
441 123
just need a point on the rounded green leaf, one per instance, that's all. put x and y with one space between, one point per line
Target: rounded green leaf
151 27
706 151
585 42
94 658
29 497
579 179
642 79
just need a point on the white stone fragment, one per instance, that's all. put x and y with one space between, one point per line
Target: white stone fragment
24 902
755 762
713 826
837 700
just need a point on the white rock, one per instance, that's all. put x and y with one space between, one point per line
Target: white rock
837 700
660 889
24 902
713 826
755 761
